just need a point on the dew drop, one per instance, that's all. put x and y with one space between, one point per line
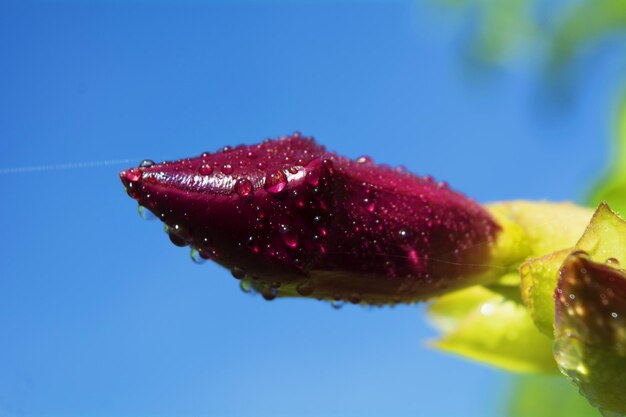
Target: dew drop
196 258
337 304
245 286
237 272
305 288
145 213
354 298
252 244
289 237
275 183
243 187
313 178
614 315
179 235
252 155
205 169
206 253
146 163
612 261
568 353
227 149
227 169
133 175
364 159
269 293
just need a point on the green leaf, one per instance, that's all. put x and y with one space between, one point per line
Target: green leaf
487 327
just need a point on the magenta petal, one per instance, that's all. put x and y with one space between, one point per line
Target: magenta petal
297 219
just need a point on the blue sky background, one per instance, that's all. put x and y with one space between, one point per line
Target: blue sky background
100 315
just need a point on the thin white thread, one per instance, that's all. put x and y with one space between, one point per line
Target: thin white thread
60 167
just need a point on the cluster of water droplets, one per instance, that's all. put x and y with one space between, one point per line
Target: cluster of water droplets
382 226
249 174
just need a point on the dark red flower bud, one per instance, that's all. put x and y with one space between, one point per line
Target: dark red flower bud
296 219
591 302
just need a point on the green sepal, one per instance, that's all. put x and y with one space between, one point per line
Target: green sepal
487 327
604 238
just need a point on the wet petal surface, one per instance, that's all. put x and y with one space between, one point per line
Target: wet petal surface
296 220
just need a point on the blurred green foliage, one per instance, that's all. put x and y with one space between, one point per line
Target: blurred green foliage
547 396
612 188
550 34
560 30
554 34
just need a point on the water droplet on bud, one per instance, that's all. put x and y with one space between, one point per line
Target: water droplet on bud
245 286
243 187
179 235
237 272
313 178
269 293
289 237
205 169
355 298
364 160
275 183
305 288
145 213
133 175
227 169
196 258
